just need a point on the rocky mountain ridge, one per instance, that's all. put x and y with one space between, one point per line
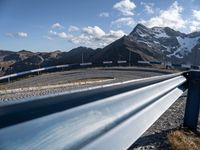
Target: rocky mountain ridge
154 44
173 45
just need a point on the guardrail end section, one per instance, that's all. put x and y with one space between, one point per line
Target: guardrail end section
193 101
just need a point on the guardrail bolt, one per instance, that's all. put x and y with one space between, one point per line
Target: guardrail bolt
193 101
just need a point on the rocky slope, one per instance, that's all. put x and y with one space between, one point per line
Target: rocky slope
157 43
173 46
11 62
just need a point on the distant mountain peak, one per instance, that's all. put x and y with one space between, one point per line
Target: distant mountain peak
24 51
139 27
176 46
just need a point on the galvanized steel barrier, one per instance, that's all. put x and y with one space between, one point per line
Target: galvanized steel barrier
183 66
77 65
8 77
89 64
110 117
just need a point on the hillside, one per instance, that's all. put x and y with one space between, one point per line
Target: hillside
157 44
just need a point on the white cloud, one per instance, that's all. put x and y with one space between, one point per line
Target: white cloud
82 39
148 7
194 26
196 14
194 23
22 34
112 36
90 36
171 17
57 26
115 34
94 31
59 34
17 35
73 29
95 37
126 21
126 7
104 14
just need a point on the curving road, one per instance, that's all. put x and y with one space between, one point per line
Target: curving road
46 80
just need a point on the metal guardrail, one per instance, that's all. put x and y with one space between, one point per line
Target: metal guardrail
87 64
185 66
107 62
121 61
111 116
42 69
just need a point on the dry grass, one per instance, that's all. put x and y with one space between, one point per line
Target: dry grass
184 140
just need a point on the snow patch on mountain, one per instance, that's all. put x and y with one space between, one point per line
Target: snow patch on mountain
140 33
186 45
156 42
161 35
173 44
145 42
159 32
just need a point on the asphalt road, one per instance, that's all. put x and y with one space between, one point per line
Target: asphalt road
117 74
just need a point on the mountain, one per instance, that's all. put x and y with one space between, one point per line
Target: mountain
18 56
77 55
172 45
120 50
154 44
12 62
150 44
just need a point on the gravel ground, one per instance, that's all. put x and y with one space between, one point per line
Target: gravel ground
118 73
156 136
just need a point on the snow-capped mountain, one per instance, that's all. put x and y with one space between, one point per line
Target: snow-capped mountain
151 44
173 45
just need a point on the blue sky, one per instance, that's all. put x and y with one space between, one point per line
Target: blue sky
47 25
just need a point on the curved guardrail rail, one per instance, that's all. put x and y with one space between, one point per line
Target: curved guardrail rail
37 70
119 62
183 66
86 64
105 117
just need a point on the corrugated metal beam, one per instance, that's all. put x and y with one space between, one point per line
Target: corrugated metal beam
40 106
114 122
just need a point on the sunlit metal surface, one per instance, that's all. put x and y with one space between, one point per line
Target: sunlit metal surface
114 122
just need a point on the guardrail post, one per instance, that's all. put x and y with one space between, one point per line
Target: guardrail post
193 101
